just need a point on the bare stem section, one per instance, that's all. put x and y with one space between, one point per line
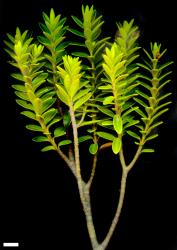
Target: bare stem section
83 189
118 211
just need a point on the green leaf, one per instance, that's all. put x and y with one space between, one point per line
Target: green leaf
140 102
43 92
76 32
142 94
49 115
130 110
88 123
116 145
43 39
54 121
18 76
159 114
108 100
77 44
34 127
40 139
93 148
148 150
64 142
84 138
47 103
106 135
37 81
47 148
106 87
151 137
81 93
141 113
77 21
22 95
118 124
106 123
63 96
29 114
131 123
133 134
80 54
24 104
19 87
59 132
154 126
106 111
82 100
66 119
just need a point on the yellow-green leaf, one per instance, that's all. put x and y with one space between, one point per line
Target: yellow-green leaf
108 100
116 145
63 96
82 100
118 124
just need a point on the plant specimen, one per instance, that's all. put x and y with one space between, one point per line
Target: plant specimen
94 90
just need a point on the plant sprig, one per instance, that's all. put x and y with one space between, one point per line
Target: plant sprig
98 94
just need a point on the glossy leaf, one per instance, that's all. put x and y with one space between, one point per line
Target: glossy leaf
25 104
40 139
63 96
48 148
59 132
64 142
116 145
148 150
106 111
34 127
84 138
47 103
108 100
29 114
77 21
82 100
133 134
106 135
93 148
118 124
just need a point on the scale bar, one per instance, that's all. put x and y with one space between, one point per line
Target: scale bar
10 244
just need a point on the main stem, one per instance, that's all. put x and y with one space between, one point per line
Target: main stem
118 211
83 188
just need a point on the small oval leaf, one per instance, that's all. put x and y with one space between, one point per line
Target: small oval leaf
116 145
93 148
